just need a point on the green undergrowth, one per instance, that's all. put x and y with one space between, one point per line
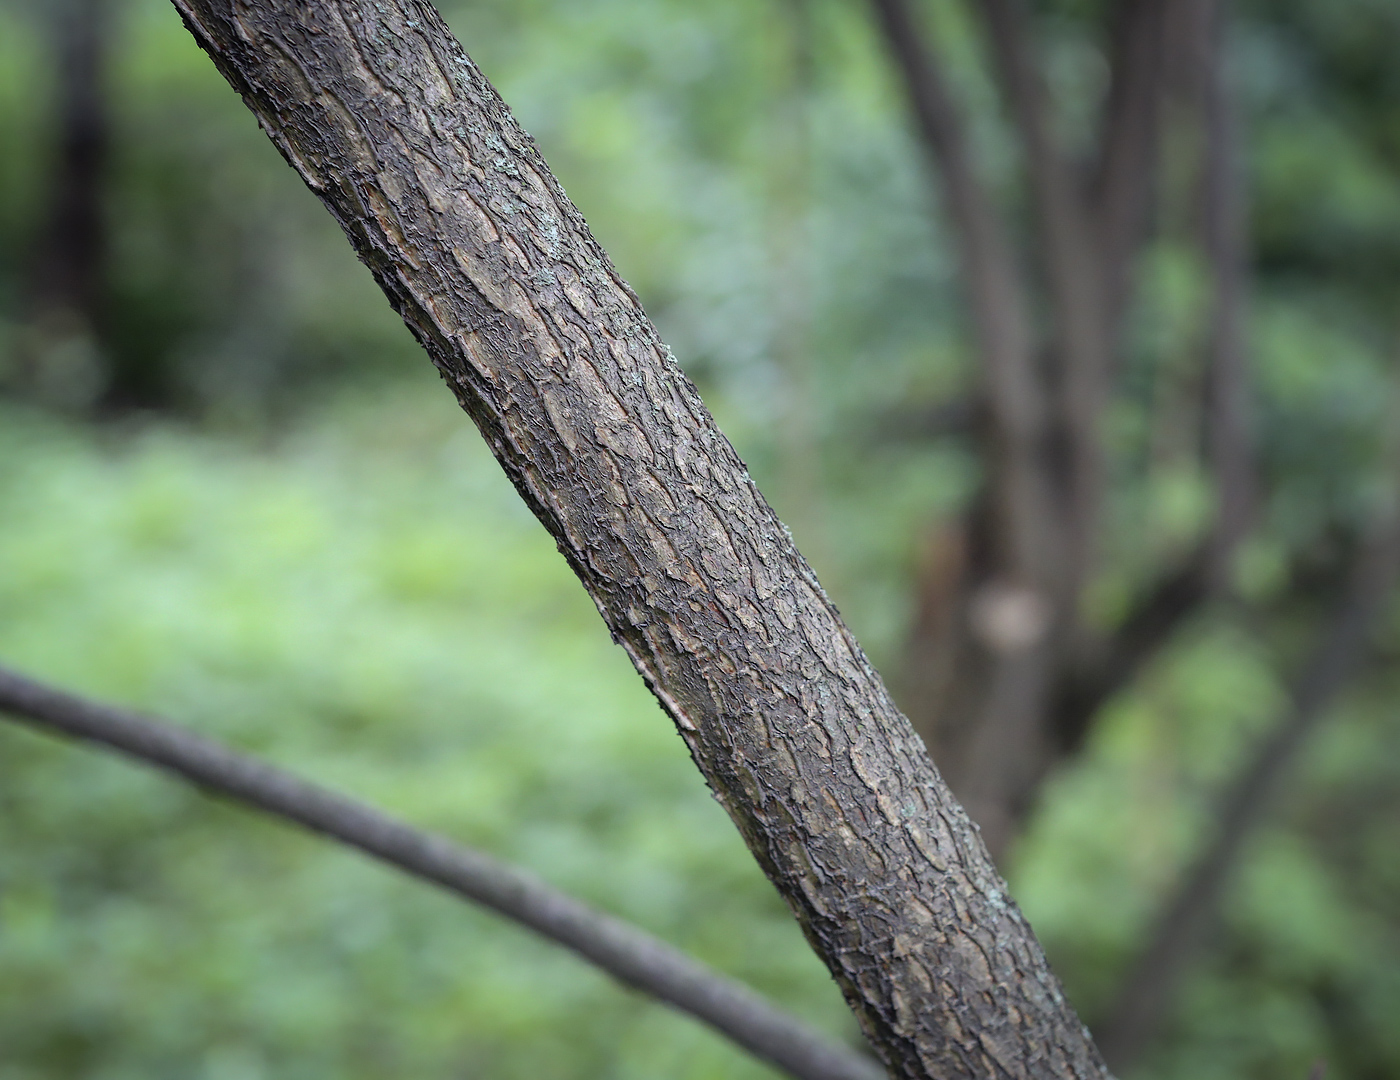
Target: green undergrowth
362 598
367 602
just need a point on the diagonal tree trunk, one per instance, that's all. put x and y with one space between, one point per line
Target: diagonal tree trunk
450 205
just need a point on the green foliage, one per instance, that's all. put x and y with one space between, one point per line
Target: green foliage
1304 964
368 602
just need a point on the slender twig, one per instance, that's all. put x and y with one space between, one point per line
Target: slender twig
629 954
1073 273
996 296
1228 443
1128 148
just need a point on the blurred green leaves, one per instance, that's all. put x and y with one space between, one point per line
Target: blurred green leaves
366 601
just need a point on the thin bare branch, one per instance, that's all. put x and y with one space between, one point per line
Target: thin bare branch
1186 919
995 293
1128 148
69 260
1074 277
629 954
1227 414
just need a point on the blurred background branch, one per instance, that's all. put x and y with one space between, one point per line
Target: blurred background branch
632 956
1141 1006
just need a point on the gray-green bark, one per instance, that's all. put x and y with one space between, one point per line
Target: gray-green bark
450 205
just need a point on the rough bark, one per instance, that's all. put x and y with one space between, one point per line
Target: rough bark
452 208
630 955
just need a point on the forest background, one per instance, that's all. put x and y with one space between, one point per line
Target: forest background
231 491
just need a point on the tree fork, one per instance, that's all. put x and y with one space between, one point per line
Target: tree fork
452 208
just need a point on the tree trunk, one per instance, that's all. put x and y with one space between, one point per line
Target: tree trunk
452 208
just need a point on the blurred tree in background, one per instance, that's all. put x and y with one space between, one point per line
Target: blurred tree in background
222 479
